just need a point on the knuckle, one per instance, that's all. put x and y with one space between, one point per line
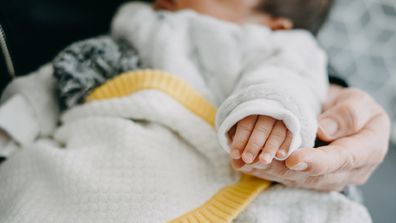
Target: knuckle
240 144
351 160
318 170
320 167
271 145
262 129
350 117
255 145
245 127
278 135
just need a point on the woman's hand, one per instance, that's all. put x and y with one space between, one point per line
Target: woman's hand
358 131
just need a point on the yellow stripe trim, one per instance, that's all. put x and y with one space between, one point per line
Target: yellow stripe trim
230 201
133 82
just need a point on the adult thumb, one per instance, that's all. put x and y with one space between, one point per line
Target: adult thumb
344 119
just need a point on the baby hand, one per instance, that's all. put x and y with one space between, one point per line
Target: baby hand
259 139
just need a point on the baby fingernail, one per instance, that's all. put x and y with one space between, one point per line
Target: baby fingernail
266 158
300 167
281 153
248 157
235 154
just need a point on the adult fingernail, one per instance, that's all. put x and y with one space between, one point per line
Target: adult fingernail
235 154
248 157
328 126
300 167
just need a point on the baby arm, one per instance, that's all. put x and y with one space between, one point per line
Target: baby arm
273 108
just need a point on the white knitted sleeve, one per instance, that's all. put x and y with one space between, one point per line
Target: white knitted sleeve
289 85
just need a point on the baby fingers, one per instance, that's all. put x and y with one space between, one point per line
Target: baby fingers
243 131
284 148
274 142
257 139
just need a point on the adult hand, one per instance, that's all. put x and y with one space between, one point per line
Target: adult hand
358 131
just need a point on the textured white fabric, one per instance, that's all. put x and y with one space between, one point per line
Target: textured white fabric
145 158
231 65
133 160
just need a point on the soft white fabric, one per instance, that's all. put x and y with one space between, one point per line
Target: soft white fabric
145 158
17 117
248 69
29 107
133 160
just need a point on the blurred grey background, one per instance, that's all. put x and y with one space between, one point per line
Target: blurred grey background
360 38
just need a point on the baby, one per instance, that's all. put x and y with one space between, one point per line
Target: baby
288 65
256 138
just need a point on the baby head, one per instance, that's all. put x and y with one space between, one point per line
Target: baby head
275 14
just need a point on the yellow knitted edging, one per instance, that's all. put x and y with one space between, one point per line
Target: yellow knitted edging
128 83
226 204
230 201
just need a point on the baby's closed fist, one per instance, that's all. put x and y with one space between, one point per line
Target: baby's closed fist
259 139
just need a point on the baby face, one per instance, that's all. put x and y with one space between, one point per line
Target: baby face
237 11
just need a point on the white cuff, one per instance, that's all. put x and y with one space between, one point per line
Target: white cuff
261 107
17 119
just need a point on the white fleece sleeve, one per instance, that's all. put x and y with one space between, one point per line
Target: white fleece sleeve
290 84
28 107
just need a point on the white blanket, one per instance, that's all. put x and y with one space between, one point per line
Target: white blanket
132 159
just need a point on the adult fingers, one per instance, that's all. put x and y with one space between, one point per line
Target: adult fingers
337 181
368 148
323 160
277 172
347 116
